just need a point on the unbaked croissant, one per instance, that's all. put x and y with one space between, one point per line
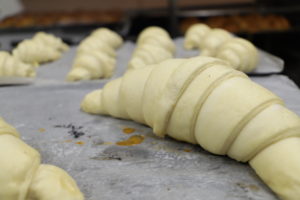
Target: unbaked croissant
153 46
23 177
212 41
156 36
204 101
50 40
90 44
11 66
108 36
91 65
240 53
95 56
219 43
34 53
206 39
194 35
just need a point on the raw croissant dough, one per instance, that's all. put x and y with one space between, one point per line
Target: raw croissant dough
108 36
194 35
92 65
205 101
212 41
240 53
50 40
41 48
96 56
23 177
35 53
153 46
13 67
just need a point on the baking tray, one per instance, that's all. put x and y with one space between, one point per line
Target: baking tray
48 116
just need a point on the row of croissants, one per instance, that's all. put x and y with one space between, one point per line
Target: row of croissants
202 100
96 54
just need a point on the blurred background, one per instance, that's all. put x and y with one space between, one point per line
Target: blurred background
272 25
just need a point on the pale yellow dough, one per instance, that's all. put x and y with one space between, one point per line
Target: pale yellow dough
150 32
108 36
194 35
91 65
204 101
18 163
148 54
95 56
212 41
22 177
13 67
50 40
279 167
35 53
50 183
153 46
91 44
92 104
6 128
241 54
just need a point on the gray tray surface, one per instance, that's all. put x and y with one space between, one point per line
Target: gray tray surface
45 112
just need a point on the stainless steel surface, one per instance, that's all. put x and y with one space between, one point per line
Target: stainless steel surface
45 112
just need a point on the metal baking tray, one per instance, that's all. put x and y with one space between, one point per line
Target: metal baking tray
93 149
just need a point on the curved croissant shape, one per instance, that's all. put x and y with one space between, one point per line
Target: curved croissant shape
156 36
91 65
34 53
6 128
240 53
90 44
51 40
204 101
212 40
22 177
148 54
153 46
11 66
150 31
108 36
194 35
96 56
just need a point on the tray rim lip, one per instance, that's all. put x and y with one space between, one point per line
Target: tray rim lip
15 80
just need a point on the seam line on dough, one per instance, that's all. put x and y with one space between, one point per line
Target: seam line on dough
206 94
281 135
183 87
244 121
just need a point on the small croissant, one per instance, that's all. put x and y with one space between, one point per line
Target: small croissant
240 53
51 40
95 56
194 35
11 66
219 43
108 36
23 177
153 45
212 41
90 44
203 100
91 65
35 53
